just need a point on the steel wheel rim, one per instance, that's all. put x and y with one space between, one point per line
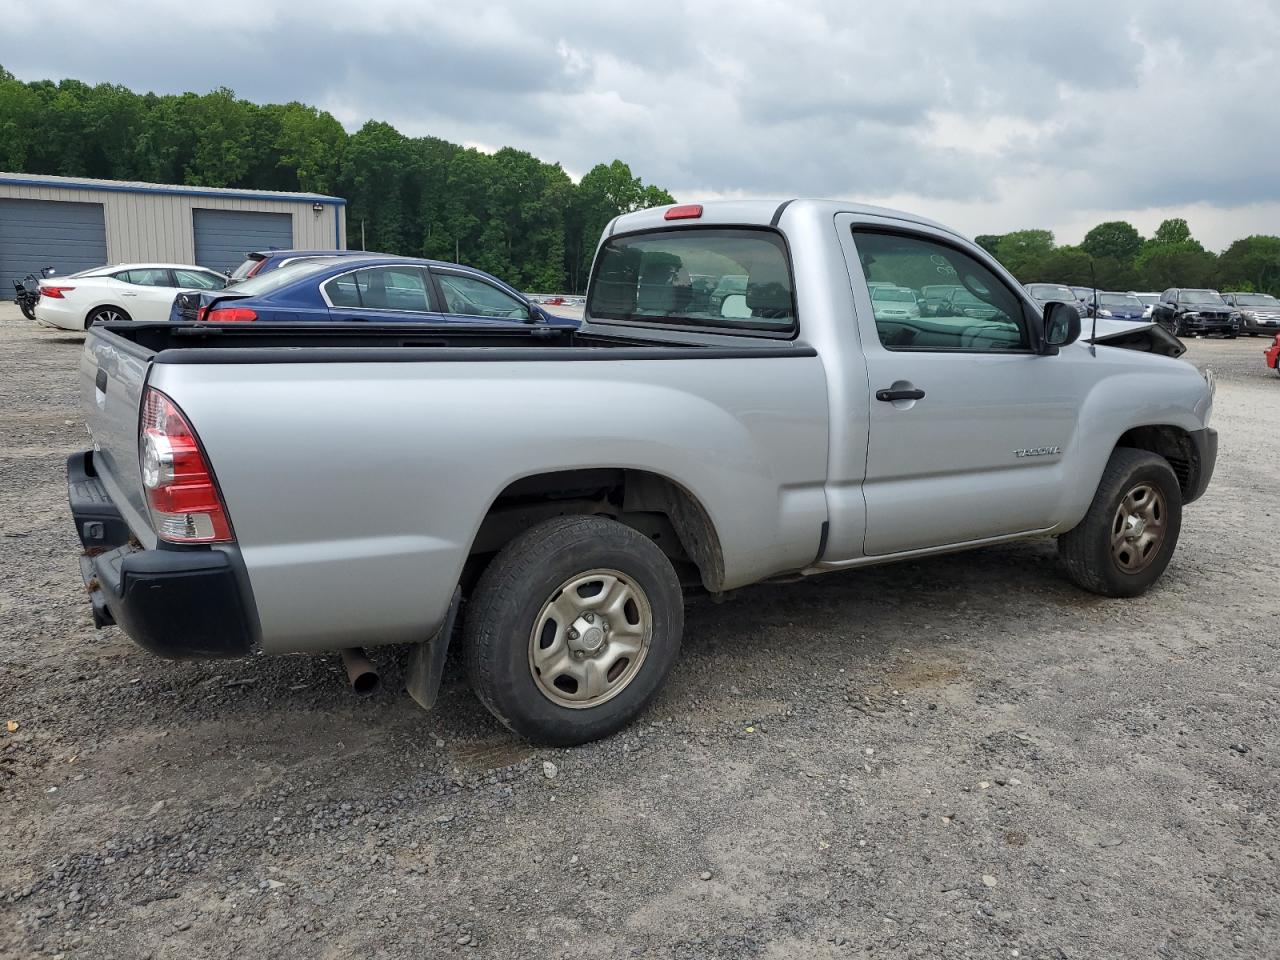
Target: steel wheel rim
1139 527
584 650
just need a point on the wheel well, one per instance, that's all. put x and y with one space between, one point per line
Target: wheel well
105 306
659 508
1172 443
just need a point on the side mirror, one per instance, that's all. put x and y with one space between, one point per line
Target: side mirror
1061 327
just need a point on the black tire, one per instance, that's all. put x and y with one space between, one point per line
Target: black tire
506 604
105 314
27 309
1086 551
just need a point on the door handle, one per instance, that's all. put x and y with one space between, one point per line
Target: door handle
888 396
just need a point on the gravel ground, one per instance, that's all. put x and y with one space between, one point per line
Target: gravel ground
961 757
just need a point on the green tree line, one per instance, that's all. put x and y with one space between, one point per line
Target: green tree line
1122 259
508 212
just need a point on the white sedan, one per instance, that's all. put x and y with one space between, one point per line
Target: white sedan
128 291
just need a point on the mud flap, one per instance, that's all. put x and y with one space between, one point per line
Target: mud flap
426 662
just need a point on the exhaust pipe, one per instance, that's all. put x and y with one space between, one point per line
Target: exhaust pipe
361 674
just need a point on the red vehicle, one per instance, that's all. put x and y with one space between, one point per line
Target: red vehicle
1272 353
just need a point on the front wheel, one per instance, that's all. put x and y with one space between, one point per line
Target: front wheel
1127 538
572 629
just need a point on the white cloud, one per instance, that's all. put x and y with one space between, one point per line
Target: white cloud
992 115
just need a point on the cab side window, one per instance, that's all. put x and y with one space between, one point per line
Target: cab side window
928 296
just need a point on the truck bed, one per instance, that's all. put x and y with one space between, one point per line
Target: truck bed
357 463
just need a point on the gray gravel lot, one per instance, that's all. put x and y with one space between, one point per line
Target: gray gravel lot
961 757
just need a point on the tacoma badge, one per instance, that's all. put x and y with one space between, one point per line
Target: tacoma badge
1037 452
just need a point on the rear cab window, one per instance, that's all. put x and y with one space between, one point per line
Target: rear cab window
735 279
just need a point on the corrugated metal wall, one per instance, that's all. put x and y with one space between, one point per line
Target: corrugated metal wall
152 226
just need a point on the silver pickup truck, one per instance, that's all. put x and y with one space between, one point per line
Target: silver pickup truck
760 391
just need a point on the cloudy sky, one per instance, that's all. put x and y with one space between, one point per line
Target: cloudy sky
991 115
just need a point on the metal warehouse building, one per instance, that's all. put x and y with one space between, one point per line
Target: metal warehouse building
73 223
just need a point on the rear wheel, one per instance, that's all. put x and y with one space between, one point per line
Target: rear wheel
105 315
572 629
28 309
1127 538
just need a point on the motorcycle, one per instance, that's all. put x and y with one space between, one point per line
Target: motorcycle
27 292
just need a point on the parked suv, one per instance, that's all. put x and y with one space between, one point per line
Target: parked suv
1259 312
1191 312
264 261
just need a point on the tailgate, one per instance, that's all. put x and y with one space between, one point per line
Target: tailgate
113 373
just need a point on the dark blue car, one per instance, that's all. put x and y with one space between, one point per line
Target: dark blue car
1120 306
369 289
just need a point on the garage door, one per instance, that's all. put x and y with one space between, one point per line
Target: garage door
49 233
223 237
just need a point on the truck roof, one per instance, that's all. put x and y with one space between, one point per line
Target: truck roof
760 212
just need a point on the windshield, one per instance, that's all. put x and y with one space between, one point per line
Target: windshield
267 282
1207 297
1256 300
1050 291
896 294
648 278
1119 300
1148 299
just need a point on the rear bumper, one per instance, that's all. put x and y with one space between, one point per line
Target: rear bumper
62 314
176 603
1205 443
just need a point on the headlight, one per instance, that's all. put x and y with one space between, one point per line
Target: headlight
1211 380
1190 315
1236 318
1104 313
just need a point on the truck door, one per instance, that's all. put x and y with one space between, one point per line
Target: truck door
970 429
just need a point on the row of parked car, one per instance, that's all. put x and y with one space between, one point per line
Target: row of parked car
1180 310
295 285
322 285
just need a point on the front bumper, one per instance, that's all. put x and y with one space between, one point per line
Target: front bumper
1260 325
1200 325
1204 445
177 603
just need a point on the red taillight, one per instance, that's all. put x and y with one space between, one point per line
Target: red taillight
226 315
184 500
687 211
55 293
